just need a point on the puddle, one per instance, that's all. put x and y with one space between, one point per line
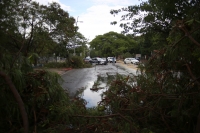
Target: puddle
93 91
90 79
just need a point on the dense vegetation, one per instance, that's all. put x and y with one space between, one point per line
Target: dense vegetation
164 97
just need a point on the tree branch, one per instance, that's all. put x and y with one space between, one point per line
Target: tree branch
106 116
18 99
191 74
181 25
85 116
166 124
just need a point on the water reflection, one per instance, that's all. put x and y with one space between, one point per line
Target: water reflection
93 91
93 97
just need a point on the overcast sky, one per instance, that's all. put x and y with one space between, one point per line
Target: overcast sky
94 15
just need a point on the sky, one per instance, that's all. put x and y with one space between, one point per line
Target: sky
93 16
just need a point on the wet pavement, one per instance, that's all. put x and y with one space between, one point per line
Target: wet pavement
85 78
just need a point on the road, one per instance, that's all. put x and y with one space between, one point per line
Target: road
76 79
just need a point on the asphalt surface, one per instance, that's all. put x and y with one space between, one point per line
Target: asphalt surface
129 68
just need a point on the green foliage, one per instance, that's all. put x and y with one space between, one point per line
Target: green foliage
112 44
73 62
154 20
33 28
169 83
127 55
56 65
156 15
43 98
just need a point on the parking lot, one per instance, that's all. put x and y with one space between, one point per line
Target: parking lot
85 78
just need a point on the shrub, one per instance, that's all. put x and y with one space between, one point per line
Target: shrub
77 62
127 55
74 62
56 65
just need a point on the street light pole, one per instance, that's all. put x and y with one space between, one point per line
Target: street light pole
74 47
75 35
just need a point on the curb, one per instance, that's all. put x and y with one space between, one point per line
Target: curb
65 70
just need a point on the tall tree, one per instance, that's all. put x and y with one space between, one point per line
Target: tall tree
155 15
112 44
36 28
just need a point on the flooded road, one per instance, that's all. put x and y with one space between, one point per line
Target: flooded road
85 78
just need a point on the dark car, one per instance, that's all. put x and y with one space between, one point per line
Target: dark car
138 58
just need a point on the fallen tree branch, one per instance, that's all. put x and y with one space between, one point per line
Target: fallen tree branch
105 116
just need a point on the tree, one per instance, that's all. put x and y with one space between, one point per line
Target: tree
155 18
155 15
112 44
27 94
61 25
166 96
37 29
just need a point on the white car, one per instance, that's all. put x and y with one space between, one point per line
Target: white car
110 59
131 60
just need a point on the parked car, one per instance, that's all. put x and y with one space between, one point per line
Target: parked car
131 60
102 61
138 58
87 59
135 61
111 59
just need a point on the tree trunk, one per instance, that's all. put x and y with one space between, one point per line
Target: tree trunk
18 99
